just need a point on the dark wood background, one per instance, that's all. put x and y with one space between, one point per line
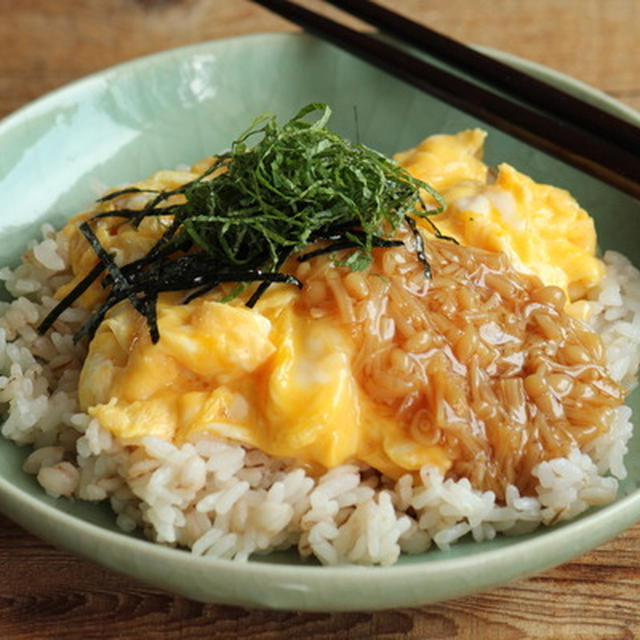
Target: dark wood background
46 593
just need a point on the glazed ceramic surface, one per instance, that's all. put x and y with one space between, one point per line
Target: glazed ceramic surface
179 106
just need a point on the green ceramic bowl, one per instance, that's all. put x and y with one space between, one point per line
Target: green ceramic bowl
178 106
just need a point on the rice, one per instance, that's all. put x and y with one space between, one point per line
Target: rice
222 499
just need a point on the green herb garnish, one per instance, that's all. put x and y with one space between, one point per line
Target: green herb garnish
298 184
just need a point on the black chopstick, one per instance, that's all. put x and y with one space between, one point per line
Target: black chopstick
594 154
500 75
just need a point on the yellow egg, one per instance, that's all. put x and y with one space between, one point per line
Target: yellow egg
541 228
444 161
267 377
124 242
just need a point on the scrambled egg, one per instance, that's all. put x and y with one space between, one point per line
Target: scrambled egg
273 378
541 228
268 377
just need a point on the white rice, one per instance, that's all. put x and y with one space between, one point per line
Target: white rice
221 499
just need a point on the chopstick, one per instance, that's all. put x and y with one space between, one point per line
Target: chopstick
500 75
578 146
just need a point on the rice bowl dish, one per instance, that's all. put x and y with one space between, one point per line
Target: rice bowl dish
225 498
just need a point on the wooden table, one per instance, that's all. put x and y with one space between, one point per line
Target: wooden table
46 593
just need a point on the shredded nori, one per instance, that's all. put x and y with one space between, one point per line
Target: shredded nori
299 184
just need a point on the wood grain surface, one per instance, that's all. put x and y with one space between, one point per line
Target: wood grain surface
46 593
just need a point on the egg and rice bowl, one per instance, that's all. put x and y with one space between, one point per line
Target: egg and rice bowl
369 413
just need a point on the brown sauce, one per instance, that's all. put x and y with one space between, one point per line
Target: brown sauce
481 360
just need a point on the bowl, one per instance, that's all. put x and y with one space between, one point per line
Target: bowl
179 106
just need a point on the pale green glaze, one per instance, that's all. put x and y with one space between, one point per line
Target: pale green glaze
179 106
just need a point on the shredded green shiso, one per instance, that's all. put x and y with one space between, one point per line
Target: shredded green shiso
300 183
